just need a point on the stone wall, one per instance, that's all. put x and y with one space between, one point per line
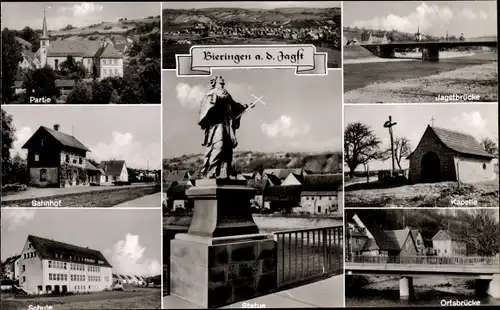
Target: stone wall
430 143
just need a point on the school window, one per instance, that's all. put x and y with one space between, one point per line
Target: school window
37 157
50 264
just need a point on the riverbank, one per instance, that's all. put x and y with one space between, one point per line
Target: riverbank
478 80
429 291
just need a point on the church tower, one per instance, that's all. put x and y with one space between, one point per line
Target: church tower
44 42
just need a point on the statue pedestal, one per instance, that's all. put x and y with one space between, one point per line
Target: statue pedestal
222 259
222 208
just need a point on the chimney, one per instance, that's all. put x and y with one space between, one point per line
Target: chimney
56 127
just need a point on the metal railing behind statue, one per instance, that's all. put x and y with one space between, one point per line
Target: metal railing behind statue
307 254
426 260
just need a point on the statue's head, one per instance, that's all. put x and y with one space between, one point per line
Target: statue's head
217 82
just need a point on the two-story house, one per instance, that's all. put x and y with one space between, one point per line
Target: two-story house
10 267
56 159
48 266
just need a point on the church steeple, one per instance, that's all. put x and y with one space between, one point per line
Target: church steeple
44 42
45 34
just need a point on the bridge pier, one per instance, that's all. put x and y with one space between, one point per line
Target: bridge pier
386 52
406 287
494 286
430 53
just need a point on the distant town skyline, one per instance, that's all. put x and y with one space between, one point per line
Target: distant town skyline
130 133
131 243
472 18
17 15
263 5
477 120
302 113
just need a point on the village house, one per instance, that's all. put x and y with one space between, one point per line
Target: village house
56 159
176 198
48 266
282 174
170 176
10 267
381 242
445 155
322 194
98 57
113 172
282 198
446 243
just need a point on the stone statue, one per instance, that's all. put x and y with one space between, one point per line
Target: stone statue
219 118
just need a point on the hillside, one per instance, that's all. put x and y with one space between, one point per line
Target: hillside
122 26
248 161
286 17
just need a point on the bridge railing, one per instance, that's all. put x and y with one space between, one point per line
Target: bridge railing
423 260
306 254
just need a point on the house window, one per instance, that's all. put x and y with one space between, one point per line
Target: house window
41 142
484 166
24 279
418 242
67 158
43 175
74 161
24 268
50 264
56 64
80 160
37 157
319 209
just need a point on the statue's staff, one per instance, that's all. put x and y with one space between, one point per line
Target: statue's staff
251 105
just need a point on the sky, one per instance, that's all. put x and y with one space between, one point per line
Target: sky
478 120
17 15
130 133
472 18
250 4
302 113
125 237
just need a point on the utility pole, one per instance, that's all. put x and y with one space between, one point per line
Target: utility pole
388 124
432 121
458 169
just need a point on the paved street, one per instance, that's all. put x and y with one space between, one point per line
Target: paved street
322 294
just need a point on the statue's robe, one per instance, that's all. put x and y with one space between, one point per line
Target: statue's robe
218 112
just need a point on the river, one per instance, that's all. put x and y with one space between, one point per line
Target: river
429 291
362 74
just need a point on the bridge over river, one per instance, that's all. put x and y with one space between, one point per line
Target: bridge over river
430 49
486 270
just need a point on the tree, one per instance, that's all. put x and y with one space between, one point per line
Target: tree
81 94
19 170
150 82
402 149
11 57
72 69
490 146
41 83
102 91
360 146
484 231
8 138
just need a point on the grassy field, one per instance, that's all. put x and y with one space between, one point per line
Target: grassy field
421 195
93 199
138 299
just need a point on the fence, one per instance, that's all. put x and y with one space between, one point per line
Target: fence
307 254
423 260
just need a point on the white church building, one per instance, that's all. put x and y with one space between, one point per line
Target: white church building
48 266
100 58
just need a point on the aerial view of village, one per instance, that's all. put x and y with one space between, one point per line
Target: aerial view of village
282 166
402 257
80 261
61 156
81 53
421 156
407 52
244 23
